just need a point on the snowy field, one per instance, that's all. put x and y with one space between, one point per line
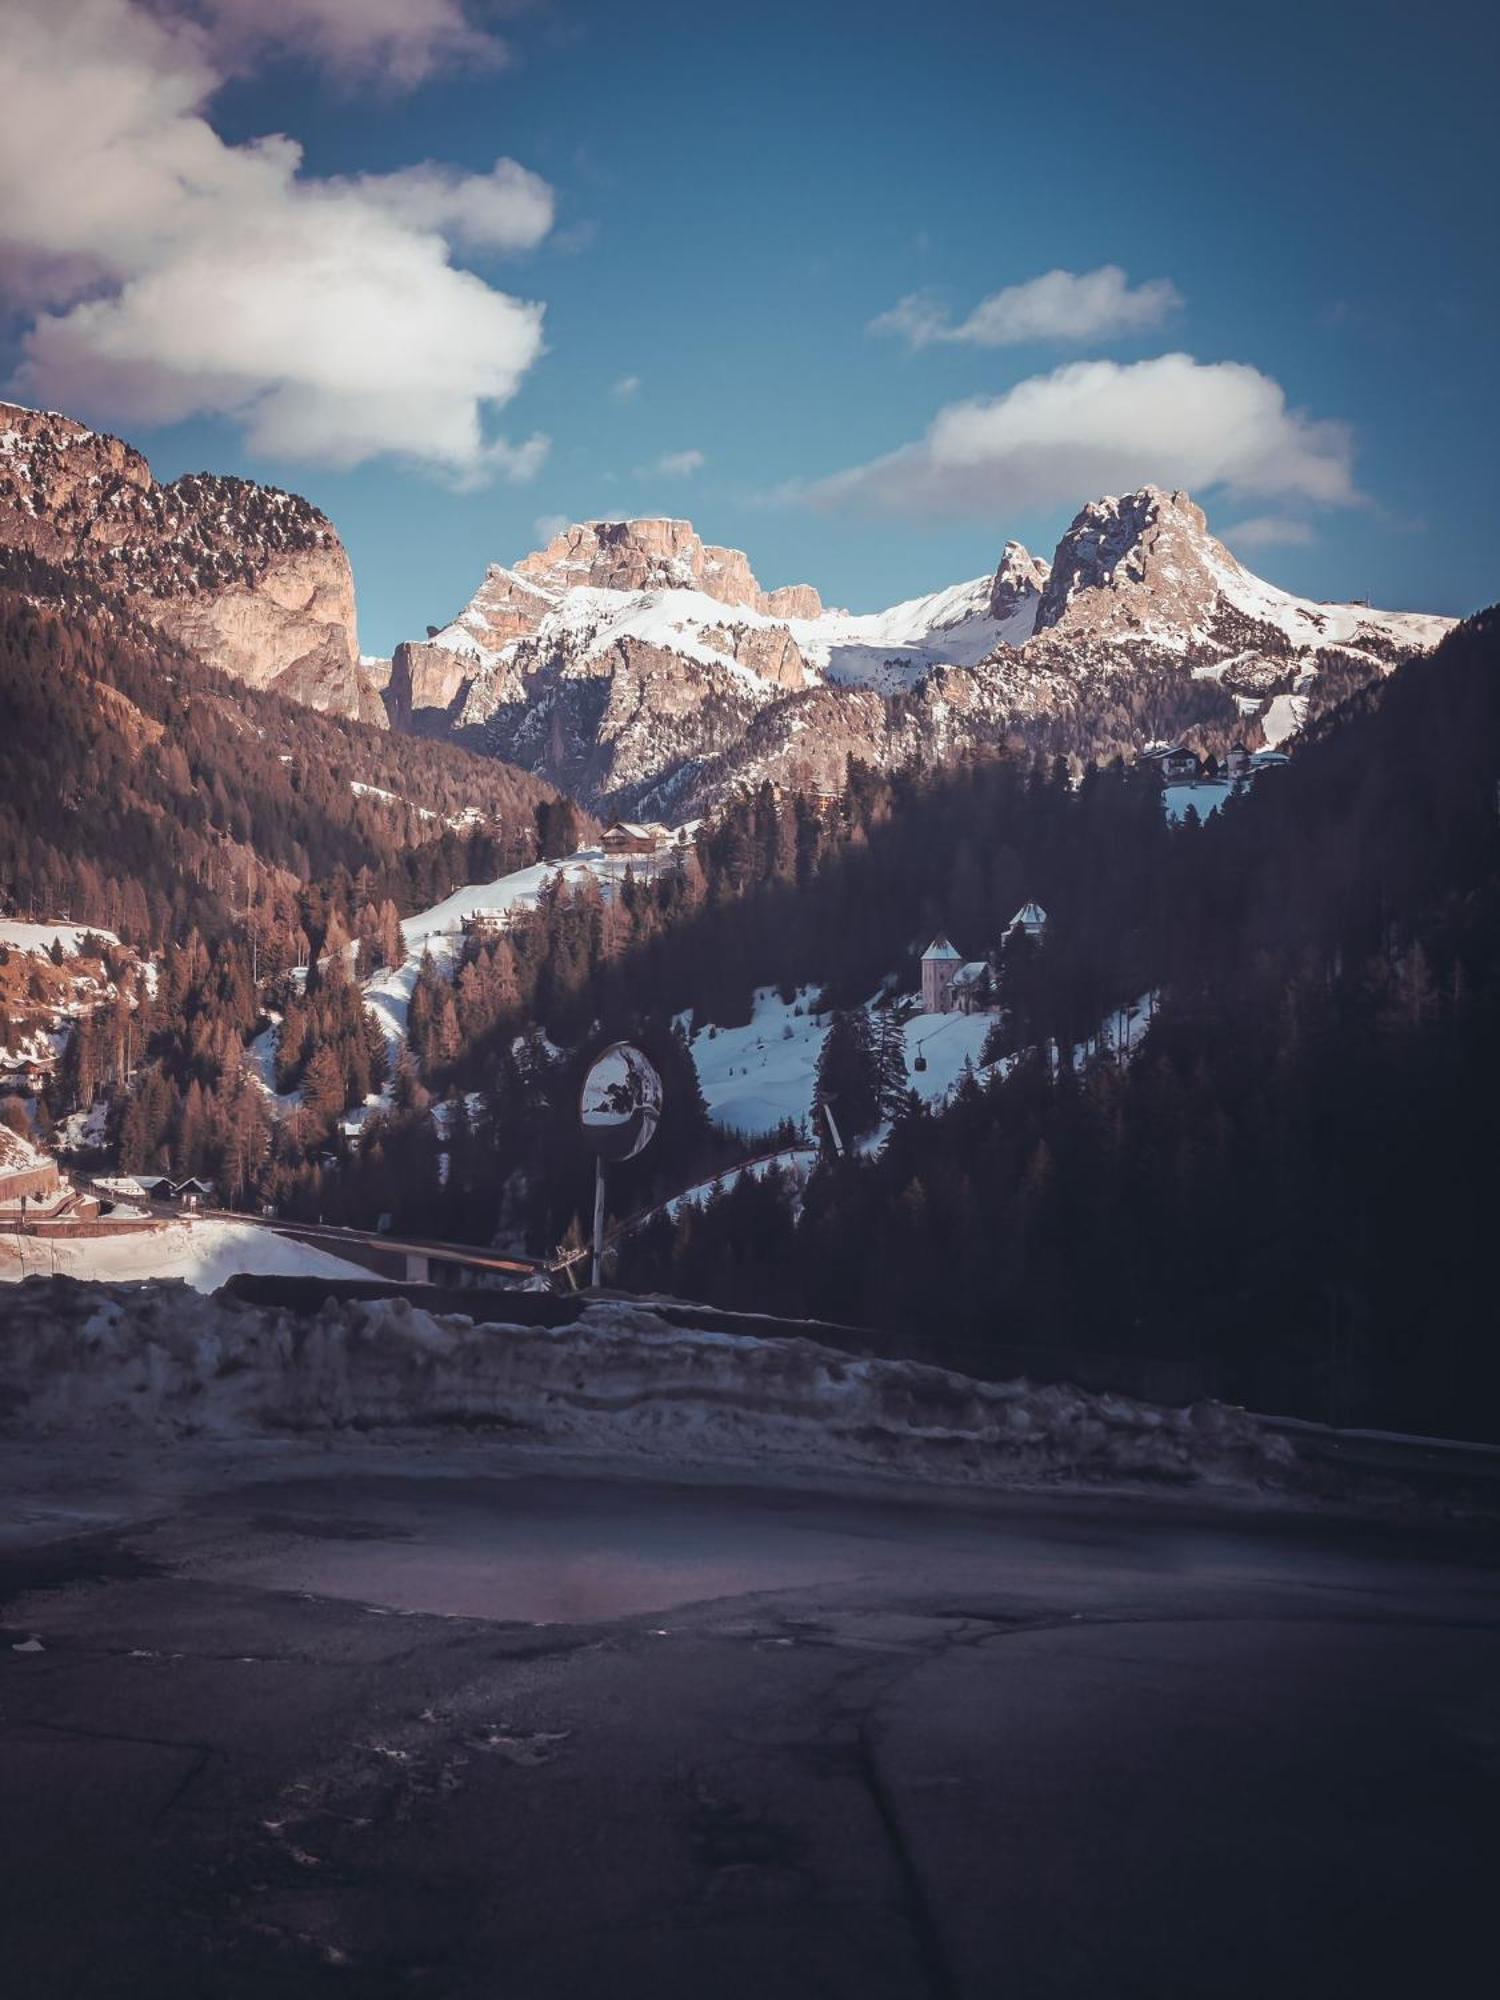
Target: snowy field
618 1383
754 1077
1204 795
38 938
202 1253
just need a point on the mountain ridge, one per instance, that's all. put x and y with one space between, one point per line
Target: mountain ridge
647 670
644 669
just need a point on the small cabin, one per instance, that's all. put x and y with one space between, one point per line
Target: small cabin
628 836
193 1193
972 989
25 1073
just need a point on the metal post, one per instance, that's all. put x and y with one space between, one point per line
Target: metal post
598 1221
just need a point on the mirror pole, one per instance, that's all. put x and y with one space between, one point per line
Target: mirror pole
598 1219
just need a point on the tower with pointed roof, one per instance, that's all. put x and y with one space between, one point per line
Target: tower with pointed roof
940 963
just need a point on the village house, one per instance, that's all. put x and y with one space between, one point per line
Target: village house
627 836
1174 763
485 923
1029 921
25 1072
951 984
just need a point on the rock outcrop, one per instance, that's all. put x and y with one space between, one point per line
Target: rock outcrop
1019 581
250 579
647 671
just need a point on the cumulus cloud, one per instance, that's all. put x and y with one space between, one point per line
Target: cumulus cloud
1061 305
678 464
173 274
1269 531
398 42
626 388
509 208
1096 427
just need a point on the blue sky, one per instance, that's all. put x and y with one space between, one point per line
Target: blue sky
734 200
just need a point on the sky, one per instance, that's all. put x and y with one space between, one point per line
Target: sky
863 290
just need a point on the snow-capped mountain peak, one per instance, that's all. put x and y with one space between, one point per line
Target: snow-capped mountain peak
644 668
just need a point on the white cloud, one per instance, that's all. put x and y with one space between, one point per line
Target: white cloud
678 464
1062 305
1269 531
180 275
398 42
547 527
1095 427
509 208
626 388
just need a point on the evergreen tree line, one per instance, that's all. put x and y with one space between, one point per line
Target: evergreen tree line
1292 1182
146 793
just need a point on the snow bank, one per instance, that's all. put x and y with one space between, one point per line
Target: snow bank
203 1254
158 1360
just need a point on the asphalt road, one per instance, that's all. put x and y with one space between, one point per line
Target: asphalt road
353 1723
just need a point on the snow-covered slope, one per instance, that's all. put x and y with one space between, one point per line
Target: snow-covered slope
760 1075
645 670
1144 569
438 932
201 1253
893 649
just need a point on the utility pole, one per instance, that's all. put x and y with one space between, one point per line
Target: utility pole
598 1222
833 1130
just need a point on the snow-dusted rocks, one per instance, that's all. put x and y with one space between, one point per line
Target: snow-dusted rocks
252 580
1143 571
1020 578
647 671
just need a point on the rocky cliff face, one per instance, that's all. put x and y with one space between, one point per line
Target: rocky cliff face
252 580
647 671
1019 581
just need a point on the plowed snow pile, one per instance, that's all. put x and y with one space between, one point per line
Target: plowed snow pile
108 1359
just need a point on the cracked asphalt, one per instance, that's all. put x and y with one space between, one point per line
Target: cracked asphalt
374 1722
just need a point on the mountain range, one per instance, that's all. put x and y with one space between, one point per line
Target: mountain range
644 670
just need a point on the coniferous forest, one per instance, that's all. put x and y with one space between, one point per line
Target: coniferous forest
1286 1186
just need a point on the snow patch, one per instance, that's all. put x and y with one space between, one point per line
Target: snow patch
203 1254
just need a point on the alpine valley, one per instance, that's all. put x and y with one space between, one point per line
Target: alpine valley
642 670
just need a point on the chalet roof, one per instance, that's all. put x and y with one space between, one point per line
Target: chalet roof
941 950
969 972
